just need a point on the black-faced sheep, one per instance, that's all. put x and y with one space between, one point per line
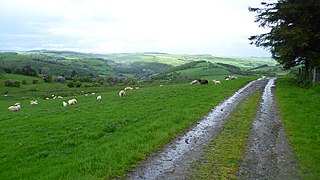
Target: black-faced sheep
122 93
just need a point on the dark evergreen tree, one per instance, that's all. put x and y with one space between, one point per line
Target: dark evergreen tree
294 37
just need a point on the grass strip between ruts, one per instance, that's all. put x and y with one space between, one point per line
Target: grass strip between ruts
223 156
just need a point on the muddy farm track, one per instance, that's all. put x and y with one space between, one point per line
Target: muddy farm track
267 156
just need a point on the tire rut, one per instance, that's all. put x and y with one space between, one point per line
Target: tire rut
268 154
174 160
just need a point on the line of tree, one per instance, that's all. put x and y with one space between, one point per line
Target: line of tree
294 36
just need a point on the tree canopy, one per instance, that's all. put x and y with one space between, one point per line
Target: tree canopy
294 36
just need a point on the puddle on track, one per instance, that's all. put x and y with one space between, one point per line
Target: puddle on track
173 161
268 154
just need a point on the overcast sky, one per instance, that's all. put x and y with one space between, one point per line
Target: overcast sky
217 27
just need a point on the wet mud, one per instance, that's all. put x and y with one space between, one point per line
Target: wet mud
268 155
174 160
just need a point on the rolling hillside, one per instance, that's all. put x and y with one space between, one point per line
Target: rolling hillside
138 66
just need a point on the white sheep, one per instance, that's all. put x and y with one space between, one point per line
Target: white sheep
122 93
93 93
72 101
137 87
60 97
98 98
34 102
128 88
232 77
64 104
14 108
194 82
216 82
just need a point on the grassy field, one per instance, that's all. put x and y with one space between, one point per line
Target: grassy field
213 73
299 109
92 140
224 154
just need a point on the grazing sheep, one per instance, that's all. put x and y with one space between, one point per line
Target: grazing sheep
64 104
93 93
47 98
98 98
122 93
128 88
72 101
232 77
204 81
15 108
262 76
216 82
60 97
34 102
137 87
194 82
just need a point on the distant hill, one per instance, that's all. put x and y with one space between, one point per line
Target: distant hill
138 65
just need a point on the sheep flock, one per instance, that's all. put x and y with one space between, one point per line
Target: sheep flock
17 106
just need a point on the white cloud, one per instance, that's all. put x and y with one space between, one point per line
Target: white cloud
173 26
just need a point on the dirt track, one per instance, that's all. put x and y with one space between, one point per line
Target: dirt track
268 154
267 157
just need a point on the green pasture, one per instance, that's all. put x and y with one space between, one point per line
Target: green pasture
299 108
42 89
99 140
163 58
204 73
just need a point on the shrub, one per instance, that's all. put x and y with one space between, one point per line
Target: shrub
24 81
70 84
78 84
302 81
12 83
47 78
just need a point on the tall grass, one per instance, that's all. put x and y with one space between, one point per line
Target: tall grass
300 110
103 139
